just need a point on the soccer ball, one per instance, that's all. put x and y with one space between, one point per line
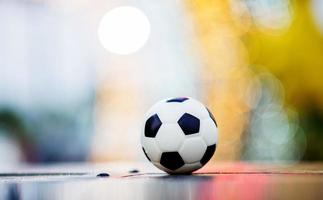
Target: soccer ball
179 135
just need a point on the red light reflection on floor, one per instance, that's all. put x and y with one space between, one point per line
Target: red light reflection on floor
233 182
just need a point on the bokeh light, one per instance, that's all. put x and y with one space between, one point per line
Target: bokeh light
317 7
271 16
124 30
273 132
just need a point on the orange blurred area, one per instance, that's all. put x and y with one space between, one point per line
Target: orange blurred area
73 90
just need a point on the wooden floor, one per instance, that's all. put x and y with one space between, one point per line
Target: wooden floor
143 181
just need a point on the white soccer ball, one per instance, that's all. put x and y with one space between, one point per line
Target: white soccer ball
179 135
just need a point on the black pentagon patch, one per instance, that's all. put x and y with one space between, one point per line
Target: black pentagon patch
152 126
189 124
178 100
208 154
171 160
146 154
212 117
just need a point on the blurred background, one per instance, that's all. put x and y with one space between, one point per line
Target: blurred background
76 77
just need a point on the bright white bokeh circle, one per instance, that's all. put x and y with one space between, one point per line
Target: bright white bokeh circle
124 30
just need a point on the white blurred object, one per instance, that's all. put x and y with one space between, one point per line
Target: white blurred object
47 70
10 152
317 11
45 54
124 30
271 15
